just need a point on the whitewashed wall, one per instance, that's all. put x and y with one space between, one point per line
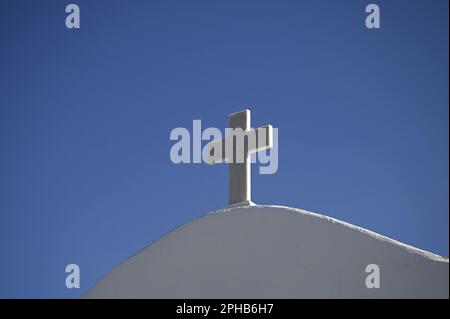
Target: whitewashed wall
274 252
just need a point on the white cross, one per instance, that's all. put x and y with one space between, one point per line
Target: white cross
236 150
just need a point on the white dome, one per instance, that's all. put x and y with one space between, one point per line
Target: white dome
274 252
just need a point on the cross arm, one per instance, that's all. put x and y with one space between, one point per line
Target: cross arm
258 139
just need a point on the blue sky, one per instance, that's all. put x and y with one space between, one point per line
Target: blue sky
85 118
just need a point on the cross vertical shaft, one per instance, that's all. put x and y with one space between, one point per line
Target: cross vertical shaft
239 174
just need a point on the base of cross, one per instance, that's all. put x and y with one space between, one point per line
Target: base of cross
244 203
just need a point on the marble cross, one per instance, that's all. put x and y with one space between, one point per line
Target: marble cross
236 149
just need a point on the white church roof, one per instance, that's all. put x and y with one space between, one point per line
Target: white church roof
274 252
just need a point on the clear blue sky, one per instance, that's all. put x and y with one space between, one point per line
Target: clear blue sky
85 117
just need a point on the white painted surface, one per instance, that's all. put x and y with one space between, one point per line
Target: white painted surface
274 252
